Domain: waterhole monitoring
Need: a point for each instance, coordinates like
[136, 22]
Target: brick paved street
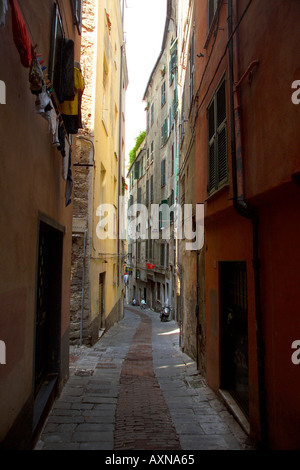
[135, 389]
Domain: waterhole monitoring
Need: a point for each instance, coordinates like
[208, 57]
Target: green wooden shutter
[136, 170]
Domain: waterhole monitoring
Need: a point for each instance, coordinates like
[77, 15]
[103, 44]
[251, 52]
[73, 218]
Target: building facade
[36, 216]
[160, 170]
[190, 262]
[247, 173]
[98, 254]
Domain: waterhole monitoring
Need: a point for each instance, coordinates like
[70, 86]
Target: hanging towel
[3, 10]
[20, 35]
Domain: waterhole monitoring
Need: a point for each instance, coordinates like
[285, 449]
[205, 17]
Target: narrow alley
[136, 390]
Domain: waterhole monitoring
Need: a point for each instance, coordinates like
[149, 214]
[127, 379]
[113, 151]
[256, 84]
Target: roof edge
[168, 16]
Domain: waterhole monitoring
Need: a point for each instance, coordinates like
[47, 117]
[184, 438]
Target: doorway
[234, 331]
[101, 301]
[48, 304]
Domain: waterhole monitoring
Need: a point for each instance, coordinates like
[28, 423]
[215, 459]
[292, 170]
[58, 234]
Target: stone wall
[80, 309]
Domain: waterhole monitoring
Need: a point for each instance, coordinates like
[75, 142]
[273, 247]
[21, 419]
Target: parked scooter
[165, 313]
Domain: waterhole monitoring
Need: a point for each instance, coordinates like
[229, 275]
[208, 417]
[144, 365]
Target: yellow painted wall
[106, 141]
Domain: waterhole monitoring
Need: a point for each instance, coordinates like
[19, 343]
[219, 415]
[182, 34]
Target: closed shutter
[217, 140]
[136, 170]
[139, 195]
[222, 155]
[151, 189]
[147, 192]
[212, 169]
[163, 172]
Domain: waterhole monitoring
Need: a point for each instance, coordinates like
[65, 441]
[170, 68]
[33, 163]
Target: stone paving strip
[128, 392]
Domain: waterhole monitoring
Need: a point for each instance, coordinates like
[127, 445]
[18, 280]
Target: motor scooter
[165, 313]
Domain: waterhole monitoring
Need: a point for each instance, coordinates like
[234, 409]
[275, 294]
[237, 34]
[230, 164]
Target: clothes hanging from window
[20, 35]
[36, 77]
[63, 80]
[69, 182]
[3, 10]
[71, 110]
[65, 164]
[61, 138]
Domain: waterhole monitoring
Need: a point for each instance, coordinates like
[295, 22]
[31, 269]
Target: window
[142, 166]
[162, 254]
[163, 93]
[172, 66]
[152, 114]
[136, 170]
[164, 132]
[182, 121]
[148, 157]
[151, 189]
[147, 119]
[147, 192]
[212, 7]
[167, 254]
[152, 150]
[139, 195]
[138, 254]
[77, 14]
[174, 104]
[57, 34]
[163, 172]
[172, 160]
[217, 140]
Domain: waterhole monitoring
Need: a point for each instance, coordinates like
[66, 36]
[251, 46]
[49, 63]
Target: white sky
[144, 23]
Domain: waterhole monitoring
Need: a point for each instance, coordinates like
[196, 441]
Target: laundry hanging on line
[21, 35]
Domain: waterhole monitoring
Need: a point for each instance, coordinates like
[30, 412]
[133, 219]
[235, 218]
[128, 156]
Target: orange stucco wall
[270, 152]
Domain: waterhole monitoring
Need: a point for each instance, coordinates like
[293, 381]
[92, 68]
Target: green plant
[139, 140]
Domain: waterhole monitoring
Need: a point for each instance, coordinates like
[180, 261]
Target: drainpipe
[82, 288]
[245, 210]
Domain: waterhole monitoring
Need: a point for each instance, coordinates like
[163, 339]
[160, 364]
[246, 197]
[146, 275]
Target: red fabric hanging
[20, 35]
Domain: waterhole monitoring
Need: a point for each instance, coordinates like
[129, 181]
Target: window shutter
[162, 254]
[151, 188]
[147, 192]
[211, 167]
[163, 172]
[222, 155]
[221, 105]
[136, 170]
[139, 195]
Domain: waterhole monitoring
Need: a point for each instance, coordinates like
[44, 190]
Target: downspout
[120, 147]
[243, 209]
[82, 286]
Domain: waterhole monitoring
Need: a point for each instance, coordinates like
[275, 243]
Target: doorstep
[235, 409]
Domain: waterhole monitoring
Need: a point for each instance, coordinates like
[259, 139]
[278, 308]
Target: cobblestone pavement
[135, 389]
